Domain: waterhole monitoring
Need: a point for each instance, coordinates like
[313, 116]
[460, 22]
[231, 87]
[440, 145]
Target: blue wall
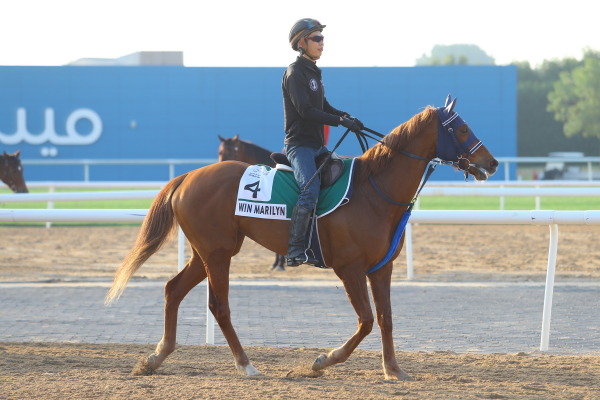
[177, 112]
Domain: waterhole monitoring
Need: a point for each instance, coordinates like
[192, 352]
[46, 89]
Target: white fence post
[180, 250]
[50, 205]
[552, 251]
[210, 319]
[409, 254]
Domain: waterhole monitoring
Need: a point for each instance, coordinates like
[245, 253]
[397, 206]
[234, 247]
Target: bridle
[449, 151]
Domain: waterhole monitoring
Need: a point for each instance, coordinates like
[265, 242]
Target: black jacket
[305, 107]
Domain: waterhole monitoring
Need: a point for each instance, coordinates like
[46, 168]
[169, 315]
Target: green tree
[456, 54]
[539, 133]
[575, 98]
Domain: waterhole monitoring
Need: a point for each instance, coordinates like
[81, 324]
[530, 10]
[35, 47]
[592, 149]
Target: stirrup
[301, 259]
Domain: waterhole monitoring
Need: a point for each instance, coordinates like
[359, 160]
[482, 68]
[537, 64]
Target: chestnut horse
[354, 238]
[11, 172]
[248, 152]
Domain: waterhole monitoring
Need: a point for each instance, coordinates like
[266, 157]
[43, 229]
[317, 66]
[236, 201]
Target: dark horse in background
[11, 172]
[248, 152]
[355, 237]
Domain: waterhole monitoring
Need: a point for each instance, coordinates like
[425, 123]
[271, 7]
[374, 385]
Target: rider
[305, 111]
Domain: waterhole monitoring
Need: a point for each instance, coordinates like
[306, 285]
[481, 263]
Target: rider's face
[314, 49]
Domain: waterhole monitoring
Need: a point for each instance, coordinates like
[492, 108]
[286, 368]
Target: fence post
[409, 254]
[210, 319]
[552, 250]
[50, 205]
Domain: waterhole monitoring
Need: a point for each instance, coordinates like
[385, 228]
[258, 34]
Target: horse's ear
[4, 155]
[450, 107]
[220, 138]
[17, 153]
[236, 137]
[448, 99]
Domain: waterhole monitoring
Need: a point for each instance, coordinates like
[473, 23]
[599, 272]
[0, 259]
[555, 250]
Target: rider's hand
[350, 124]
[361, 126]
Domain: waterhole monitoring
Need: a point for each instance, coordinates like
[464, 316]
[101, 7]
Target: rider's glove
[361, 126]
[350, 124]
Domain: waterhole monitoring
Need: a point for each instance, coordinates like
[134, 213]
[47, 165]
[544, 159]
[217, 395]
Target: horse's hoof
[399, 375]
[319, 363]
[248, 370]
[144, 367]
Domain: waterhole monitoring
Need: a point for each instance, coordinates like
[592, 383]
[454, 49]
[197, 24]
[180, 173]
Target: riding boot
[296, 247]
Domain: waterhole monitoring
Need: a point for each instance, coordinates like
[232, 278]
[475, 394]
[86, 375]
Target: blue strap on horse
[403, 220]
[361, 137]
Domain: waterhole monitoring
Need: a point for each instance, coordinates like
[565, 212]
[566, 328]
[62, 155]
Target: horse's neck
[400, 181]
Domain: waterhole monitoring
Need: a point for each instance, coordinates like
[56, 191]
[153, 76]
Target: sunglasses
[316, 38]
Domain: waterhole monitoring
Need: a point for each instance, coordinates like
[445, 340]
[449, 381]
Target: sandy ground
[441, 253]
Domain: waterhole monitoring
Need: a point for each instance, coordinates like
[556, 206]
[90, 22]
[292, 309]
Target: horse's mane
[378, 157]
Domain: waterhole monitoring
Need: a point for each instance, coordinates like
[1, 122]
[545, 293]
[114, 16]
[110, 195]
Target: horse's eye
[463, 130]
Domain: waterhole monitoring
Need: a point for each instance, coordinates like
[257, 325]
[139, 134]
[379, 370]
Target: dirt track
[465, 253]
[440, 252]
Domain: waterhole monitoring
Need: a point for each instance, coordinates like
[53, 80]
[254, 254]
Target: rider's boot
[296, 247]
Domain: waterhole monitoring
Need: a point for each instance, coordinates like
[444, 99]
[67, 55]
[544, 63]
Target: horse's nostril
[493, 163]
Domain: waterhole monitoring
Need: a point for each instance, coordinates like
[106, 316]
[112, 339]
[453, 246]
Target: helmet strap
[303, 52]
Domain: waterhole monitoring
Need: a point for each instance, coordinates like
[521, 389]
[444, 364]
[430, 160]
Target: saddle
[330, 173]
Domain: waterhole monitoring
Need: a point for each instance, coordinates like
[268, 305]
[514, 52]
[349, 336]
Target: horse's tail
[157, 228]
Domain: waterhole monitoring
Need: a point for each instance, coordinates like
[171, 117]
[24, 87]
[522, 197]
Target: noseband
[449, 150]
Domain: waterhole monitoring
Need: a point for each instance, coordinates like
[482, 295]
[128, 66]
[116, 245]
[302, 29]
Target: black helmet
[302, 28]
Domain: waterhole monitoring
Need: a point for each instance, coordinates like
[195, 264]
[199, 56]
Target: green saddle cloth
[266, 192]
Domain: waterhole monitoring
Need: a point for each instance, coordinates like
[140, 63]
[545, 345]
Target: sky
[254, 33]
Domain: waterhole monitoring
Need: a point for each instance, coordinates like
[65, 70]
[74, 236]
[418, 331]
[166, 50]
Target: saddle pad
[266, 192]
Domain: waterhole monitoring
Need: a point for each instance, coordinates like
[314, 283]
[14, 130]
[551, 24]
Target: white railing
[86, 163]
[501, 189]
[505, 163]
[550, 218]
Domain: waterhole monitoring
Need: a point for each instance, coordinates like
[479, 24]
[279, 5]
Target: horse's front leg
[175, 291]
[380, 287]
[355, 284]
[218, 302]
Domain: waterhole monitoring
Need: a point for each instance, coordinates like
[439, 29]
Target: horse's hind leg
[380, 287]
[355, 284]
[175, 291]
[278, 264]
[218, 301]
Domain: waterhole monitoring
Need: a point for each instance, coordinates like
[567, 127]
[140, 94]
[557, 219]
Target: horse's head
[229, 147]
[12, 172]
[458, 144]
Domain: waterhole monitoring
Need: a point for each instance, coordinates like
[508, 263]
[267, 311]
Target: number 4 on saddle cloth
[272, 193]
